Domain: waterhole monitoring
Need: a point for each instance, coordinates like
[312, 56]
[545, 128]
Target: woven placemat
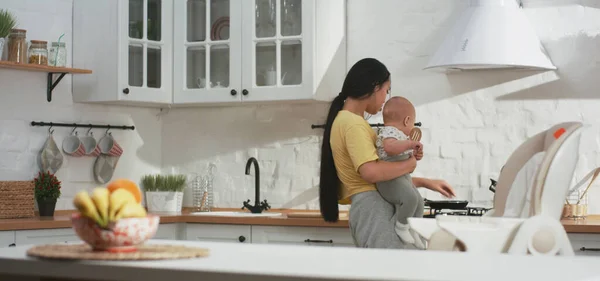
[16, 199]
[144, 252]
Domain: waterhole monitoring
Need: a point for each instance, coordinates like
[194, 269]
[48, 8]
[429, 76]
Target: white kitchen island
[235, 261]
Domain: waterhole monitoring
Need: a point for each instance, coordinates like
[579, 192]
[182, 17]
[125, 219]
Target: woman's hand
[441, 187]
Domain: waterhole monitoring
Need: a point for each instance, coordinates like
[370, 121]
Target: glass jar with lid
[58, 54]
[38, 52]
[17, 46]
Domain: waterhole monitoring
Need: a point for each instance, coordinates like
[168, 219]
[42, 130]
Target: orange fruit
[127, 185]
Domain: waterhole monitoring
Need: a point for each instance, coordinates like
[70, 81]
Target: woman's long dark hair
[360, 83]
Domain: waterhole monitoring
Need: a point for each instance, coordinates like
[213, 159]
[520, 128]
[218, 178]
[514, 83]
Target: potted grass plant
[164, 193]
[7, 22]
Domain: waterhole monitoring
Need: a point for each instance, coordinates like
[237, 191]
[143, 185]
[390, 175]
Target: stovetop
[468, 211]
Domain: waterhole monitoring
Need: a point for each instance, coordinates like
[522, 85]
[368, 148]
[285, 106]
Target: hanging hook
[107, 130]
[50, 131]
[89, 130]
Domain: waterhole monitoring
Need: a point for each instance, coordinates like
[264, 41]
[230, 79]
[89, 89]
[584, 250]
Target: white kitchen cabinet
[169, 231]
[258, 50]
[7, 238]
[312, 236]
[208, 52]
[589, 241]
[128, 46]
[45, 236]
[218, 233]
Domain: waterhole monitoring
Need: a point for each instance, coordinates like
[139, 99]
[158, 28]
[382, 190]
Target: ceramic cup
[72, 146]
[109, 146]
[90, 145]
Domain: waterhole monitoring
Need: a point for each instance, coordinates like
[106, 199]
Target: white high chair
[537, 230]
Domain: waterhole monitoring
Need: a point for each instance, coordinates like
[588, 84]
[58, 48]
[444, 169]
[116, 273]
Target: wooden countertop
[62, 219]
[590, 225]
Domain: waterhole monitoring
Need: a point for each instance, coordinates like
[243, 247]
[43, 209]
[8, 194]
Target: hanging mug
[90, 145]
[72, 145]
[109, 146]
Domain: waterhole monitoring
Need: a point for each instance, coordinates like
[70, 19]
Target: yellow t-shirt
[353, 144]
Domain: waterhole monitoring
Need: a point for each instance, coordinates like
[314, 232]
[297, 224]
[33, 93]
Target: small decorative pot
[2, 44]
[163, 201]
[46, 207]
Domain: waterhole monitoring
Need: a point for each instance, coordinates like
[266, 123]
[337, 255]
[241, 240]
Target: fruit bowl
[122, 235]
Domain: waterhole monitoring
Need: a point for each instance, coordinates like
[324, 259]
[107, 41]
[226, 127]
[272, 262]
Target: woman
[349, 157]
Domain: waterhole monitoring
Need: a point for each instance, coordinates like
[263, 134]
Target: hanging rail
[75, 125]
[418, 124]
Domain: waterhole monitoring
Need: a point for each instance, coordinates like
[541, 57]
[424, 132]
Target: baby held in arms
[393, 144]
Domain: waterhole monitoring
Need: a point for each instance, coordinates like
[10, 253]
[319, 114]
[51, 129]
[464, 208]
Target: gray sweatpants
[402, 193]
[372, 222]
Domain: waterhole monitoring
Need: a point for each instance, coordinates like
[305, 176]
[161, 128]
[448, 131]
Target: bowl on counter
[121, 236]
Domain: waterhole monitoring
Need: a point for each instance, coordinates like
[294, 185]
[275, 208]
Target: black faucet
[258, 206]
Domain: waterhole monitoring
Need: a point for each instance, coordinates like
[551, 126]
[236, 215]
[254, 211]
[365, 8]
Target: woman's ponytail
[329, 181]
[360, 83]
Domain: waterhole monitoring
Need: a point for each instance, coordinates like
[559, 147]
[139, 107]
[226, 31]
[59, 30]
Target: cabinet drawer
[45, 236]
[168, 231]
[218, 233]
[585, 244]
[311, 236]
[7, 238]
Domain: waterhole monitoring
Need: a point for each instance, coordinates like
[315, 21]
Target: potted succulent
[47, 191]
[7, 22]
[164, 193]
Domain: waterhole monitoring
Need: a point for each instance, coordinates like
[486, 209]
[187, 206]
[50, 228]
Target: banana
[118, 199]
[100, 196]
[85, 205]
[131, 210]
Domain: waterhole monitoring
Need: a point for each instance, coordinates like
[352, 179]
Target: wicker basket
[16, 199]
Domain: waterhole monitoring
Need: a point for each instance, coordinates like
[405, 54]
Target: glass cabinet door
[207, 54]
[148, 50]
[275, 48]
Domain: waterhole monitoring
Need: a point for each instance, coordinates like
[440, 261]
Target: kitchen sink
[236, 214]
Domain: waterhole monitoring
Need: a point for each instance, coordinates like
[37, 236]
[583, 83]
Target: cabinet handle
[126, 91]
[233, 92]
[318, 241]
[589, 249]
[12, 245]
[244, 92]
[242, 239]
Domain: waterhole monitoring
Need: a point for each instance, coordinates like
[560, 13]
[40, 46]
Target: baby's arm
[393, 146]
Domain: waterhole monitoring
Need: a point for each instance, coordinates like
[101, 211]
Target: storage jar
[58, 54]
[38, 52]
[17, 46]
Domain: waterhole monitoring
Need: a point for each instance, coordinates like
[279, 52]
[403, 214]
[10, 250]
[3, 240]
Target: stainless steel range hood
[491, 34]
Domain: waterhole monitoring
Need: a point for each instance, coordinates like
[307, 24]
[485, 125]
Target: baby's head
[400, 113]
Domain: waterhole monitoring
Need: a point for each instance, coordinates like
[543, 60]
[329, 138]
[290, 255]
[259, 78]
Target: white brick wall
[279, 136]
[23, 99]
[472, 122]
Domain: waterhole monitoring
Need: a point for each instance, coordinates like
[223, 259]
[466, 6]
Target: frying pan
[446, 204]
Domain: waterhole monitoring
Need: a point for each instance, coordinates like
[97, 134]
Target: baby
[393, 144]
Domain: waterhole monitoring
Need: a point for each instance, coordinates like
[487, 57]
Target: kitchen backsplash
[280, 137]
[471, 121]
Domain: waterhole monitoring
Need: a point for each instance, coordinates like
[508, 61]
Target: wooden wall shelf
[51, 70]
